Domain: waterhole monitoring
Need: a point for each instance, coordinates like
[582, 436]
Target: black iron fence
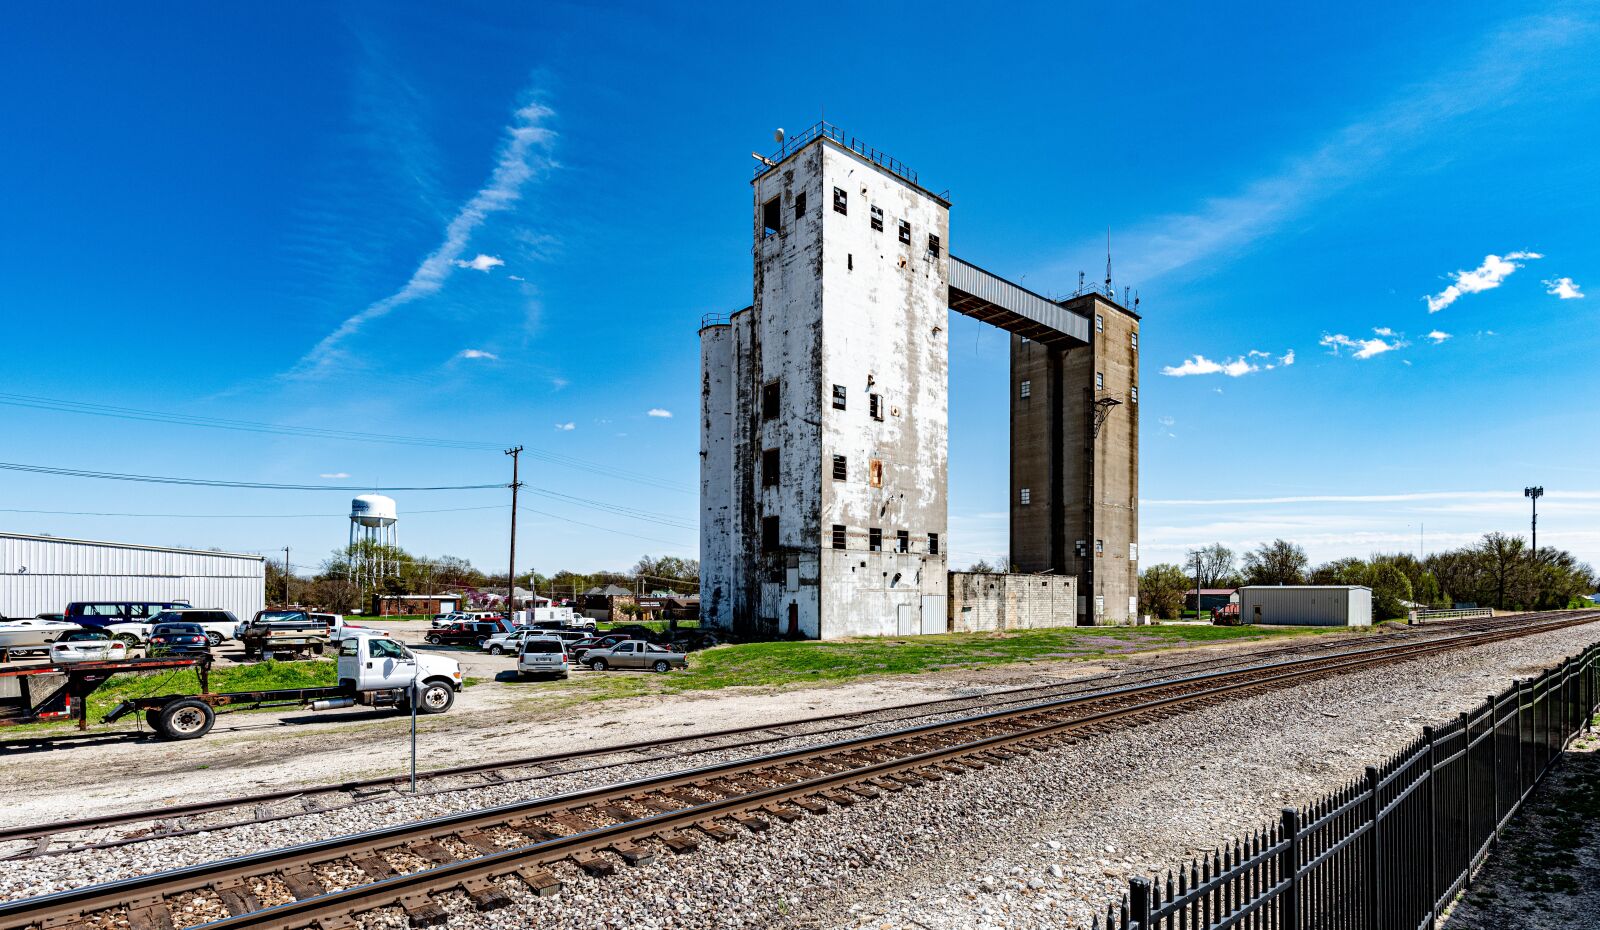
[1390, 850]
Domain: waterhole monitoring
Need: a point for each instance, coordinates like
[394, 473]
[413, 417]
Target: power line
[231, 516]
[212, 483]
[252, 426]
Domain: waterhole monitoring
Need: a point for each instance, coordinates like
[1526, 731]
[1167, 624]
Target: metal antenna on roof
[1135, 301]
[1109, 292]
[1080, 285]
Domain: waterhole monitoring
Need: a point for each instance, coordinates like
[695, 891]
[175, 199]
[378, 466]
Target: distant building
[605, 602]
[1306, 605]
[401, 605]
[43, 574]
[668, 606]
[1210, 598]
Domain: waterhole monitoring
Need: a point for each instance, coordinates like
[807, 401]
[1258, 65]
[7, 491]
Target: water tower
[372, 539]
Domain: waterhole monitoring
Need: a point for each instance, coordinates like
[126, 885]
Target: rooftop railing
[794, 143]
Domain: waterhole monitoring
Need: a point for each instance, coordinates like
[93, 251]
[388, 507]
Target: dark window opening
[905, 231]
[841, 468]
[838, 397]
[875, 539]
[769, 401]
[875, 406]
[877, 218]
[902, 541]
[840, 201]
[769, 468]
[770, 217]
[933, 245]
[769, 534]
[933, 543]
[838, 536]
[799, 205]
[849, 261]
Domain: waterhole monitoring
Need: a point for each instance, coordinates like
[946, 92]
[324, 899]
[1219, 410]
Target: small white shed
[1306, 604]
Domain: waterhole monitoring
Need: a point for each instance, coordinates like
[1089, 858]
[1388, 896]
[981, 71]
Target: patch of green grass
[261, 676]
[660, 626]
[791, 664]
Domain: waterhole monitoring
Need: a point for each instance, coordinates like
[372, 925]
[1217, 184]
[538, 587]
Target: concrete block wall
[985, 602]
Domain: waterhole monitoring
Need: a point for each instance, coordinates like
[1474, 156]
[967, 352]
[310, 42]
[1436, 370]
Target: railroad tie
[810, 805]
[887, 784]
[906, 778]
[837, 797]
[715, 830]
[376, 867]
[484, 894]
[751, 823]
[633, 855]
[237, 898]
[615, 812]
[541, 882]
[337, 922]
[862, 790]
[533, 831]
[679, 843]
[431, 851]
[595, 865]
[479, 841]
[570, 822]
[655, 804]
[785, 814]
[149, 917]
[421, 911]
[302, 883]
[929, 773]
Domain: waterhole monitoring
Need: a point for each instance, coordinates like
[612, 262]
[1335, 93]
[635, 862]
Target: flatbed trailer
[29, 693]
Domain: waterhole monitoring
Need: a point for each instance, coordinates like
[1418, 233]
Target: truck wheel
[214, 638]
[436, 698]
[598, 665]
[432, 638]
[661, 665]
[186, 719]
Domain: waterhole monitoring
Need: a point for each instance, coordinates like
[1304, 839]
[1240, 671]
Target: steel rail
[46, 829]
[65, 906]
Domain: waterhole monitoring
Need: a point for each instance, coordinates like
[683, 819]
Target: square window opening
[841, 468]
[1099, 323]
[769, 400]
[1099, 381]
[1027, 496]
[877, 218]
[839, 397]
[1133, 393]
[769, 468]
[875, 539]
[933, 245]
[1027, 390]
[875, 406]
[933, 543]
[838, 536]
[769, 534]
[771, 213]
[902, 541]
[800, 205]
[1133, 340]
[905, 231]
[841, 201]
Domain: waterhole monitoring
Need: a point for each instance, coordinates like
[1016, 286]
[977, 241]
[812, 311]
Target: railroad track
[36, 840]
[330, 883]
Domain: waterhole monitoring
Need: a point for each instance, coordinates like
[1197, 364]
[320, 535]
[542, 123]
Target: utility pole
[286, 600]
[511, 566]
[1534, 494]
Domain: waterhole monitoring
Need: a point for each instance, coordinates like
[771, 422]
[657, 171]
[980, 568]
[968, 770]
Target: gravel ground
[1035, 842]
[1545, 874]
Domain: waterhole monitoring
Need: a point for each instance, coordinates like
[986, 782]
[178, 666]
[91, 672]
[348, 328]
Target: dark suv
[94, 614]
[465, 634]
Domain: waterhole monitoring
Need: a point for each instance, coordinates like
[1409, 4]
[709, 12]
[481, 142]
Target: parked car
[444, 620]
[542, 655]
[283, 634]
[635, 653]
[502, 643]
[101, 614]
[582, 646]
[179, 639]
[465, 634]
[87, 646]
[218, 625]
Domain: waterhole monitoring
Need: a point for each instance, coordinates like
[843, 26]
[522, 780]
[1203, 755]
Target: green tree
[1161, 589]
[1213, 564]
[1428, 594]
[1391, 589]
[1340, 571]
[1276, 562]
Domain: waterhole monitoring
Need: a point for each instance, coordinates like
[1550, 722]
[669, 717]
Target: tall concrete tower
[1075, 460]
[824, 405]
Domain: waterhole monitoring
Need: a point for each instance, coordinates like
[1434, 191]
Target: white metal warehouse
[42, 574]
[1306, 605]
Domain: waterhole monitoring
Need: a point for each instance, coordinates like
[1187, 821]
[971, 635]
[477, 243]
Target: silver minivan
[542, 655]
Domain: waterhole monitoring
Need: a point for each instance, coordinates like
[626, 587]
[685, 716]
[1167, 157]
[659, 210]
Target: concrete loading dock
[1306, 605]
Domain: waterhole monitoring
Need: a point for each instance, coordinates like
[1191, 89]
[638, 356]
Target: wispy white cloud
[567, 427]
[481, 263]
[1486, 276]
[477, 353]
[1564, 288]
[335, 474]
[523, 155]
[1364, 348]
[1495, 75]
[558, 382]
[660, 412]
[1251, 361]
[1438, 336]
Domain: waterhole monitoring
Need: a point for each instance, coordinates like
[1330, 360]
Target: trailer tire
[186, 719]
[152, 719]
[436, 698]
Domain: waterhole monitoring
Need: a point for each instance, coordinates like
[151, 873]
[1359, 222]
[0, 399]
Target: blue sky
[501, 223]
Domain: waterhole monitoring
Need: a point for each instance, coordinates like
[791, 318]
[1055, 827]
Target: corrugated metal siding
[41, 575]
[997, 290]
[1306, 605]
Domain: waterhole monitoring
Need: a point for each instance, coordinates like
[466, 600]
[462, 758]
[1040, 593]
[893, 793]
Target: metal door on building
[906, 620]
[933, 615]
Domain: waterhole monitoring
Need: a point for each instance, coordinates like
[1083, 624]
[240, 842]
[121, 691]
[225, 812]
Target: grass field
[788, 664]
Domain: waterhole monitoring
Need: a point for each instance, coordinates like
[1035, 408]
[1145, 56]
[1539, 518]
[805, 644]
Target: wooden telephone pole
[511, 566]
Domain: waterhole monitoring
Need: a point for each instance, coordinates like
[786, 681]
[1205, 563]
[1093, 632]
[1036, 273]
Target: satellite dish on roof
[777, 135]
